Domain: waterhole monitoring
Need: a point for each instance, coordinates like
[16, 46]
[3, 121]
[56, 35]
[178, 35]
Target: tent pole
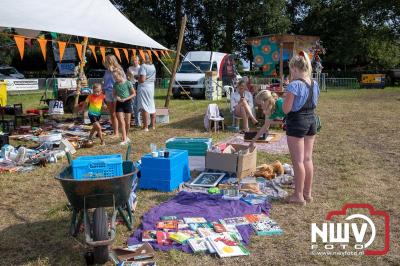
[178, 52]
[82, 78]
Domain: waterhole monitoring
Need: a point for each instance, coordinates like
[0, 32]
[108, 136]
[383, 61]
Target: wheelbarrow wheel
[100, 232]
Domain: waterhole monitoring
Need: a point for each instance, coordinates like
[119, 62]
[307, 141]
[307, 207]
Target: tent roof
[88, 18]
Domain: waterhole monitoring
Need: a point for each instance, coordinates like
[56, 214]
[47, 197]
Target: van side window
[214, 66]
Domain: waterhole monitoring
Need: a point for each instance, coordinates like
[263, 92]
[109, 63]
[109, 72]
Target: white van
[191, 72]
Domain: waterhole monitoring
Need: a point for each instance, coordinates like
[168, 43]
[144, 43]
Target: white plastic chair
[213, 115]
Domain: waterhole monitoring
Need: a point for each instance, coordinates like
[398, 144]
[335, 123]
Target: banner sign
[66, 68]
[66, 83]
[22, 84]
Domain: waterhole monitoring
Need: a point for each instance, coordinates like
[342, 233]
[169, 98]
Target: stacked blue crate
[165, 174]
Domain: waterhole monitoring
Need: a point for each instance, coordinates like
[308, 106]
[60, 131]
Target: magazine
[232, 229]
[267, 227]
[227, 245]
[219, 228]
[179, 237]
[163, 238]
[205, 232]
[254, 199]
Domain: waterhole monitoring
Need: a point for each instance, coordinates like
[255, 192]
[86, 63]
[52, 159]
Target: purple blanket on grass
[186, 204]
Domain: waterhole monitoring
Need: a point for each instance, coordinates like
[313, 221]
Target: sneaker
[122, 143]
[146, 130]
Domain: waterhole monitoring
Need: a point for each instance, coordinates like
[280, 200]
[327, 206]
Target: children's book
[232, 229]
[253, 218]
[149, 236]
[234, 221]
[179, 237]
[267, 227]
[254, 199]
[168, 225]
[195, 226]
[192, 234]
[194, 220]
[182, 225]
[168, 218]
[219, 228]
[205, 232]
[198, 245]
[163, 238]
[227, 245]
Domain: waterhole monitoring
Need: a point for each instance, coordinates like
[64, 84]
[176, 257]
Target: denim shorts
[300, 125]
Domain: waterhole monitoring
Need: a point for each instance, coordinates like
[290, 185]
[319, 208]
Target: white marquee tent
[98, 19]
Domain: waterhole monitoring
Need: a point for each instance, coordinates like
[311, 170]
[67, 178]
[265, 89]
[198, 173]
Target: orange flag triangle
[126, 54]
[167, 53]
[93, 49]
[79, 50]
[133, 52]
[142, 55]
[117, 54]
[42, 44]
[156, 54]
[20, 42]
[149, 53]
[61, 49]
[103, 52]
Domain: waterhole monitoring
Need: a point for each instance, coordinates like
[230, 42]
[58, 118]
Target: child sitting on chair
[272, 109]
[94, 103]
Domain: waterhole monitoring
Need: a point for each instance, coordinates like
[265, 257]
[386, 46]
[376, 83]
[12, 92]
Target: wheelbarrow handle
[128, 152]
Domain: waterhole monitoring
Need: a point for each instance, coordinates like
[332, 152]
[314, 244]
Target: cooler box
[164, 174]
[195, 146]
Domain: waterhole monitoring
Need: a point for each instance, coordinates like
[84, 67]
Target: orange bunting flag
[156, 54]
[42, 44]
[142, 55]
[149, 53]
[20, 42]
[117, 54]
[103, 52]
[126, 54]
[167, 53]
[93, 49]
[79, 50]
[61, 49]
[133, 53]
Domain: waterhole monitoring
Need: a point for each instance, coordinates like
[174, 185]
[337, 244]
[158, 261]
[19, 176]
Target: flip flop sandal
[308, 199]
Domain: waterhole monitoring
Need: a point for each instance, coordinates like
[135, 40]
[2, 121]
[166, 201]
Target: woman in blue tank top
[299, 104]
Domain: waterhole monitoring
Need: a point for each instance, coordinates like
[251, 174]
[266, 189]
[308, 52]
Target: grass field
[356, 161]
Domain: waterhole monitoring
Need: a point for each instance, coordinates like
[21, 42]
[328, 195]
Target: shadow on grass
[194, 122]
[40, 242]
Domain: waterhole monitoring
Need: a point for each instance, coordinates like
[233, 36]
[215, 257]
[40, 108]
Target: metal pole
[81, 72]
[178, 52]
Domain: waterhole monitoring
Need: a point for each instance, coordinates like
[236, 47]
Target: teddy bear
[270, 171]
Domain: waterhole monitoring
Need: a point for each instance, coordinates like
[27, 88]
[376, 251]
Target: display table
[165, 174]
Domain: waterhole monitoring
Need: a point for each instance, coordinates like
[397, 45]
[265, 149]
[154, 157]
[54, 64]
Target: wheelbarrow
[99, 194]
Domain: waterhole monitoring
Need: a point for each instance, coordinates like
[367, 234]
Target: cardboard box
[162, 116]
[243, 164]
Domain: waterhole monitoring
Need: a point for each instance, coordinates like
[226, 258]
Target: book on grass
[252, 218]
[163, 238]
[168, 225]
[227, 245]
[254, 199]
[194, 220]
[198, 245]
[179, 237]
[266, 227]
[234, 221]
[149, 236]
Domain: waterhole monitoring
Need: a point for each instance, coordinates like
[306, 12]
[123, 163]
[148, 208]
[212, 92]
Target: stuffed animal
[278, 168]
[270, 171]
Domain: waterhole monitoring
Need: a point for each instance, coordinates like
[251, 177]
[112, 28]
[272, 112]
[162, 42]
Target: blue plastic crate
[100, 166]
[160, 185]
[181, 173]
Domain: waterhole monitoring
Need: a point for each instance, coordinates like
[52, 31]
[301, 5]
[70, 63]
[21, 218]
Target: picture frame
[207, 180]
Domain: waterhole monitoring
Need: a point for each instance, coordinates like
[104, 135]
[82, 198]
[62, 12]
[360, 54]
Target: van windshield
[194, 67]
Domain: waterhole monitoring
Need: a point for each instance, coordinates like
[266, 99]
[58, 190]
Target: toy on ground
[269, 171]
